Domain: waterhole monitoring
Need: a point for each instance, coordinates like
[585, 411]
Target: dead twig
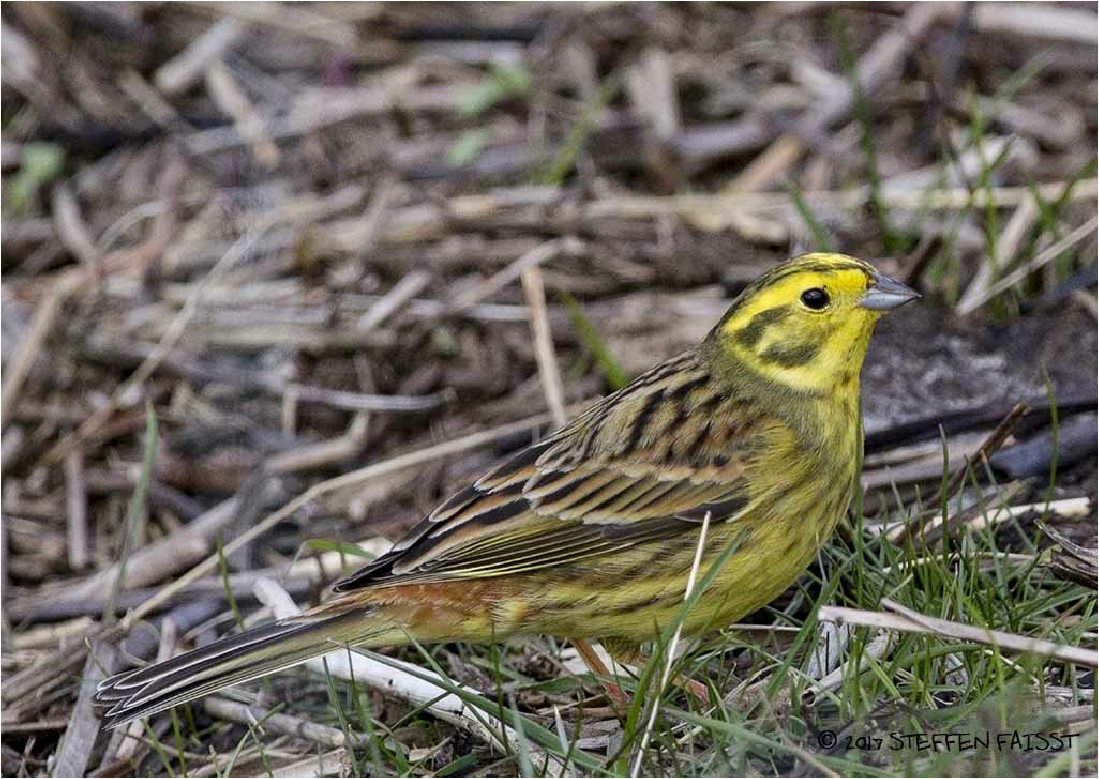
[277, 722]
[536, 256]
[673, 645]
[907, 621]
[1006, 248]
[72, 230]
[411, 285]
[358, 477]
[186, 69]
[1072, 561]
[548, 372]
[988, 447]
[80, 736]
[391, 679]
[994, 440]
[20, 364]
[76, 494]
[361, 401]
[1039, 260]
[234, 103]
[127, 393]
[1049, 22]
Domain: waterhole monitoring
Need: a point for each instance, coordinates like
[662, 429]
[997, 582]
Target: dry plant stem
[370, 223]
[346, 664]
[323, 453]
[1036, 21]
[882, 61]
[300, 579]
[548, 372]
[974, 518]
[536, 256]
[354, 478]
[76, 494]
[830, 647]
[275, 722]
[152, 103]
[126, 393]
[359, 401]
[72, 230]
[990, 445]
[20, 364]
[1040, 260]
[602, 672]
[1006, 248]
[1086, 300]
[908, 621]
[666, 676]
[778, 158]
[554, 390]
[296, 20]
[80, 735]
[186, 69]
[53, 634]
[152, 562]
[875, 649]
[986, 561]
[57, 723]
[1070, 560]
[393, 301]
[333, 763]
[885, 58]
[234, 103]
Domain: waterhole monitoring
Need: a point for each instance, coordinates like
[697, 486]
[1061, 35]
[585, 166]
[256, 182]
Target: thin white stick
[647, 735]
[184, 70]
[392, 680]
[1006, 248]
[543, 252]
[907, 621]
[407, 288]
[76, 495]
[554, 389]
[1013, 278]
[1066, 507]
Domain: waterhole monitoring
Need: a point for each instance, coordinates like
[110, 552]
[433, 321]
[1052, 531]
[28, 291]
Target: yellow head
[805, 324]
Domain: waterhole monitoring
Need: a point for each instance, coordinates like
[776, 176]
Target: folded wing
[644, 464]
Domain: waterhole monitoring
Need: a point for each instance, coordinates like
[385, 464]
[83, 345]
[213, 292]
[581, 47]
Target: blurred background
[310, 237]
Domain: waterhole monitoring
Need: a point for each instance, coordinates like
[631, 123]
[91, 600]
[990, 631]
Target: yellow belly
[632, 596]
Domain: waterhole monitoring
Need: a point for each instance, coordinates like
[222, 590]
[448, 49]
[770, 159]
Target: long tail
[249, 655]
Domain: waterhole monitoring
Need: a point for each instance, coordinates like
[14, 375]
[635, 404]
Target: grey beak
[885, 294]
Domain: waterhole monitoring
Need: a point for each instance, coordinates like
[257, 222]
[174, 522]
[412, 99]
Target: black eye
[816, 299]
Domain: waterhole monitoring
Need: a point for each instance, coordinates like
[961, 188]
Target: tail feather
[249, 655]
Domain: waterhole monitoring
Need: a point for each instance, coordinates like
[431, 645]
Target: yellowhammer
[592, 532]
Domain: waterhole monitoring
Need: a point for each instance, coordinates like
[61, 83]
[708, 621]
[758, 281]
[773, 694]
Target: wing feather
[627, 471]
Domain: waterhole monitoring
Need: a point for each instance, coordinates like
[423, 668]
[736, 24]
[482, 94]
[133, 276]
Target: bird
[592, 532]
